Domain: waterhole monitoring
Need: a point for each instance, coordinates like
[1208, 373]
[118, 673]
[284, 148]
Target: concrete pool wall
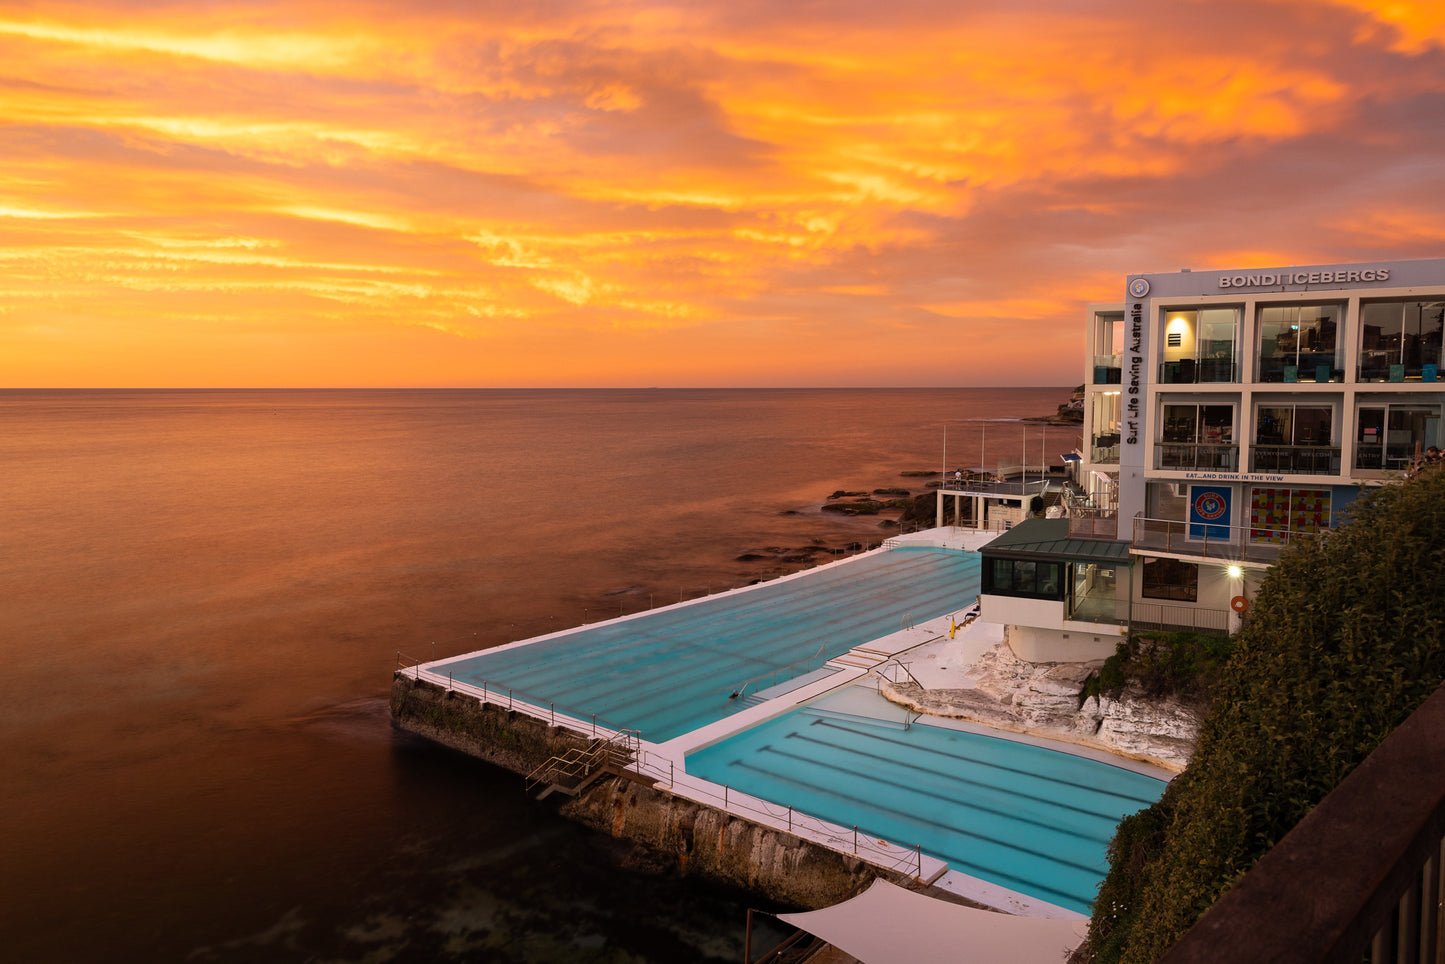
[693, 836]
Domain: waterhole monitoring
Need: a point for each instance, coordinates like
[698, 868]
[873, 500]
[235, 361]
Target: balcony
[1107, 609]
[1188, 371]
[1105, 448]
[1212, 456]
[1385, 366]
[1296, 459]
[1307, 367]
[1358, 879]
[1214, 541]
[1108, 369]
[1387, 458]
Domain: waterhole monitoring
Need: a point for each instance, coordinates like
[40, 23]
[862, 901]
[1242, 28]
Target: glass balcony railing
[1105, 448]
[1296, 459]
[1108, 369]
[1387, 458]
[1214, 456]
[1189, 371]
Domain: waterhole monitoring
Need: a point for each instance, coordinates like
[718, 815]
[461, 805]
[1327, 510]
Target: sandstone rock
[1042, 699]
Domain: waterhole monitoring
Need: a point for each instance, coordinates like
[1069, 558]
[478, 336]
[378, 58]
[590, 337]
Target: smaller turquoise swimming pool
[1034, 820]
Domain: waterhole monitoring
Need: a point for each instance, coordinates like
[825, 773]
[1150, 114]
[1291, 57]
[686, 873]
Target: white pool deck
[934, 657]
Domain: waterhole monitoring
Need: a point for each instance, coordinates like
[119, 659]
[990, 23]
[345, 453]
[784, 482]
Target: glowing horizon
[648, 194]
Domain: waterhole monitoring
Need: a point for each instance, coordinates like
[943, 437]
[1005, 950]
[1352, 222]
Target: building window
[1171, 579]
[1023, 577]
[1390, 437]
[1199, 345]
[1278, 516]
[1108, 410]
[1299, 343]
[1296, 439]
[1401, 340]
[1108, 347]
[1197, 437]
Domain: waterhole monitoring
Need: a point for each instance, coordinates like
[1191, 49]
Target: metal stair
[579, 768]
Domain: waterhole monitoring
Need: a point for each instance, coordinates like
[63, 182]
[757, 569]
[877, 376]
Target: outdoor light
[1235, 572]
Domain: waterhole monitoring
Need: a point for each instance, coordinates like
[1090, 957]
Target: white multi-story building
[1228, 414]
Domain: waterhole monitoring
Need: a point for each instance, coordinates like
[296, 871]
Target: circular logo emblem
[1209, 506]
[1139, 287]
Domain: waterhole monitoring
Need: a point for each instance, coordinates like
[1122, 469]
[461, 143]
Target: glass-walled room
[1200, 345]
[1194, 436]
[1107, 413]
[1390, 436]
[1401, 340]
[1295, 438]
[1300, 343]
[1108, 347]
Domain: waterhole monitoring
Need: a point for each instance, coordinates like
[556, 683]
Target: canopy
[886, 924]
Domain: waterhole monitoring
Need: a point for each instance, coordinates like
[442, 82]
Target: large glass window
[1168, 501]
[1278, 516]
[1108, 347]
[1023, 577]
[1401, 340]
[1295, 438]
[1108, 410]
[1094, 594]
[1170, 579]
[1200, 345]
[1299, 343]
[1390, 437]
[1197, 437]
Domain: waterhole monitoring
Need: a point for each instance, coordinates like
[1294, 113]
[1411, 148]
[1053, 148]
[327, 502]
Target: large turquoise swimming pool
[1031, 819]
[671, 671]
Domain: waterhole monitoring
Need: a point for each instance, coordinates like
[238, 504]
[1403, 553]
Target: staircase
[860, 657]
[579, 768]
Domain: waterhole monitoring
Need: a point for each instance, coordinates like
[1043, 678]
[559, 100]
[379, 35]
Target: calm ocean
[202, 595]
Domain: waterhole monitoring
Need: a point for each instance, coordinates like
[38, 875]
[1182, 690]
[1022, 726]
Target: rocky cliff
[1042, 699]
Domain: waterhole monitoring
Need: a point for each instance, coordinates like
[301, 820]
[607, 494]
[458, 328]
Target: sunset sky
[626, 193]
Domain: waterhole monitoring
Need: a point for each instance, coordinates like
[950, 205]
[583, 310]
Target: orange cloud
[654, 193]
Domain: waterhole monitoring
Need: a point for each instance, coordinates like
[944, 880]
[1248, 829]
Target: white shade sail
[887, 924]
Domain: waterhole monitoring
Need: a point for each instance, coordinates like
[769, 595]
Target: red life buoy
[1239, 604]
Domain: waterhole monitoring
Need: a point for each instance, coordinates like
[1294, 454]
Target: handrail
[741, 691]
[878, 671]
[617, 750]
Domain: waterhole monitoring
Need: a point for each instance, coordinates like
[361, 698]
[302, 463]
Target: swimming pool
[671, 671]
[1034, 820]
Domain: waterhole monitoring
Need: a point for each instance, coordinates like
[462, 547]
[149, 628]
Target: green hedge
[1184, 663]
[1344, 641]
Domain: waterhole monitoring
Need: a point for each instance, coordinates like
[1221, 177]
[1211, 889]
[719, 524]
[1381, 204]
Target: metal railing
[1216, 541]
[790, 669]
[1359, 878]
[613, 751]
[1109, 610]
[848, 839]
[995, 488]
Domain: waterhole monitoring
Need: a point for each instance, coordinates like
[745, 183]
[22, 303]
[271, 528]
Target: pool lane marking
[1011, 816]
[1132, 798]
[988, 873]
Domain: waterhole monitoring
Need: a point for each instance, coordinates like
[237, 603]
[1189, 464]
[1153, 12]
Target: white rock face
[1011, 694]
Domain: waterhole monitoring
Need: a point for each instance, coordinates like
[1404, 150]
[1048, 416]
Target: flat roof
[1049, 538]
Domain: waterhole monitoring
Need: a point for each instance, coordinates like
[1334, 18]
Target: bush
[1184, 664]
